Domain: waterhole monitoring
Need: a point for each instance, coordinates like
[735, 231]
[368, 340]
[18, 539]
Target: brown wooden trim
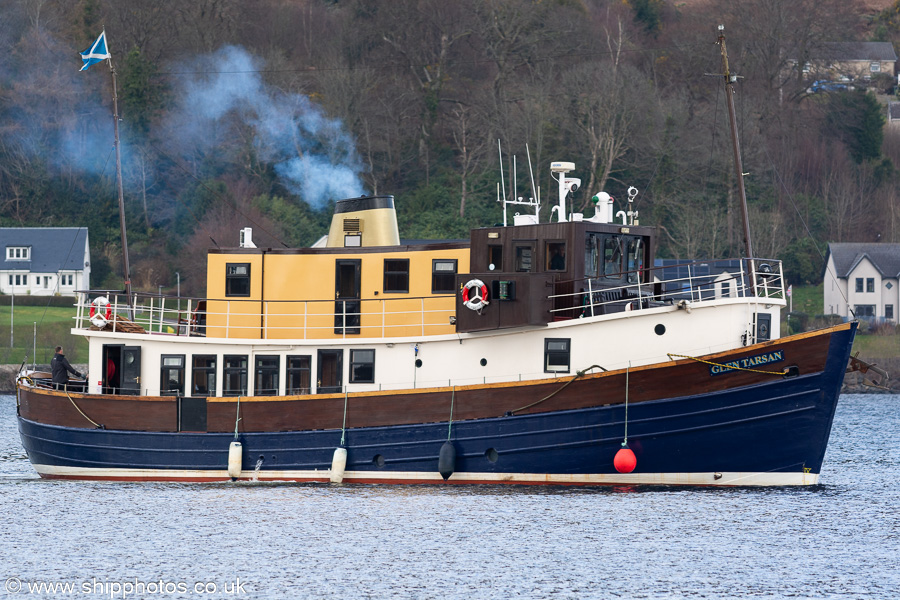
[685, 377]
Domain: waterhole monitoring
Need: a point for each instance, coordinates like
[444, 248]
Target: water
[262, 540]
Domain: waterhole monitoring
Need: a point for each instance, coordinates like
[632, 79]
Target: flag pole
[112, 70]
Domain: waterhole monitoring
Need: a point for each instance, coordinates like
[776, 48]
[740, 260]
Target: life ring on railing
[477, 298]
[101, 311]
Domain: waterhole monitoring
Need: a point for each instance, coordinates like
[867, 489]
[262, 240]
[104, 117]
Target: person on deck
[61, 368]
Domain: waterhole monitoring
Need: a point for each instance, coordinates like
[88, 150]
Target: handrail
[421, 315]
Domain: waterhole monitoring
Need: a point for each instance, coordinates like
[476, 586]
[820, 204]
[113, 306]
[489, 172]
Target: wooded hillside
[263, 113]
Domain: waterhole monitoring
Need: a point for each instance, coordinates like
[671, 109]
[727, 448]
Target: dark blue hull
[779, 427]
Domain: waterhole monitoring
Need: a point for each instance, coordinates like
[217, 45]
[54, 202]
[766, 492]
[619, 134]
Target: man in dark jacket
[61, 368]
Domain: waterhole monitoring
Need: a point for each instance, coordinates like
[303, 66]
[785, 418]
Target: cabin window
[235, 375]
[298, 374]
[203, 376]
[859, 284]
[265, 382]
[495, 258]
[556, 355]
[555, 256]
[362, 366]
[635, 259]
[443, 276]
[396, 276]
[870, 284]
[524, 258]
[592, 244]
[171, 376]
[612, 257]
[237, 279]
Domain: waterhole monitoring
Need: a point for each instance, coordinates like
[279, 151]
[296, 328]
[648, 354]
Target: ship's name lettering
[748, 362]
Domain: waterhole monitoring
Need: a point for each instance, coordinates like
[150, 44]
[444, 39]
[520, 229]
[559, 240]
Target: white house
[44, 261]
[864, 279]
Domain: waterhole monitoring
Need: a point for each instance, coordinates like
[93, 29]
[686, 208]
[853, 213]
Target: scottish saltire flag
[96, 52]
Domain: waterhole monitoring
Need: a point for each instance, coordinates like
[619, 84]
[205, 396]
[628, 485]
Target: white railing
[232, 317]
[701, 281]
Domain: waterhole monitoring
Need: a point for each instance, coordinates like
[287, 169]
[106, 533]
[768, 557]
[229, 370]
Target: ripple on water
[837, 539]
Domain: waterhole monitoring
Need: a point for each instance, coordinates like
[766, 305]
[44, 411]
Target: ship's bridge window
[635, 259]
[612, 257]
[171, 376]
[265, 382]
[443, 276]
[362, 366]
[524, 258]
[556, 256]
[557, 355]
[495, 258]
[237, 279]
[235, 375]
[396, 276]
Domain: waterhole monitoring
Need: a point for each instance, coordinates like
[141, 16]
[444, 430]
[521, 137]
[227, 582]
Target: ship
[535, 352]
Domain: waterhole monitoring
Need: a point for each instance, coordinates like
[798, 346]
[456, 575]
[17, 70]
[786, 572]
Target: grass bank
[53, 325]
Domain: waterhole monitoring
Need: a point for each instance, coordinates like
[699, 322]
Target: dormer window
[18, 253]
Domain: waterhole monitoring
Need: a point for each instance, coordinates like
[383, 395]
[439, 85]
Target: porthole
[418, 362]
[483, 362]
[660, 329]
[491, 455]
[378, 461]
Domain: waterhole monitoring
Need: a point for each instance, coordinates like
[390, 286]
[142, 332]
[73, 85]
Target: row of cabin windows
[23, 280]
[396, 277]
[267, 373]
[607, 256]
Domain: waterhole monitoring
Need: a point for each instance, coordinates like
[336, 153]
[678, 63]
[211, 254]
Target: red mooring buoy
[625, 460]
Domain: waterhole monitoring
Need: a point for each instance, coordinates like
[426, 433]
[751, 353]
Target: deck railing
[254, 319]
[697, 282]
[414, 317]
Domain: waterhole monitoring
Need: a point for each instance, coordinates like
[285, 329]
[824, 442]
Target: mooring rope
[237, 418]
[94, 423]
[565, 385]
[450, 423]
[344, 424]
[729, 367]
[627, 369]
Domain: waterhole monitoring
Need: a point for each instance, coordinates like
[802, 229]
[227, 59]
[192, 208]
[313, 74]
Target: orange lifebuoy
[101, 311]
[478, 297]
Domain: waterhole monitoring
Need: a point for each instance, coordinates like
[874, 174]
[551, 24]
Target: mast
[112, 70]
[738, 166]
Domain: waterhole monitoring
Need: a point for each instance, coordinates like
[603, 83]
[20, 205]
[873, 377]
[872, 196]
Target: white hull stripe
[723, 478]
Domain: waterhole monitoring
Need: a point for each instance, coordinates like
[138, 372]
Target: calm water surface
[123, 540]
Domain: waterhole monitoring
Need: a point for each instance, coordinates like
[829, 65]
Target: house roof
[885, 257]
[52, 248]
[845, 51]
[894, 111]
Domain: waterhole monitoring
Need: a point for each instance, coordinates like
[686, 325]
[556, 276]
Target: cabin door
[329, 371]
[122, 371]
[346, 294]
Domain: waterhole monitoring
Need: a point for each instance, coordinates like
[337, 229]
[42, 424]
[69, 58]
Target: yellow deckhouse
[362, 283]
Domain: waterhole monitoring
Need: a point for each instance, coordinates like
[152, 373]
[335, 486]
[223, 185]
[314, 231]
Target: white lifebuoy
[478, 297]
[101, 311]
